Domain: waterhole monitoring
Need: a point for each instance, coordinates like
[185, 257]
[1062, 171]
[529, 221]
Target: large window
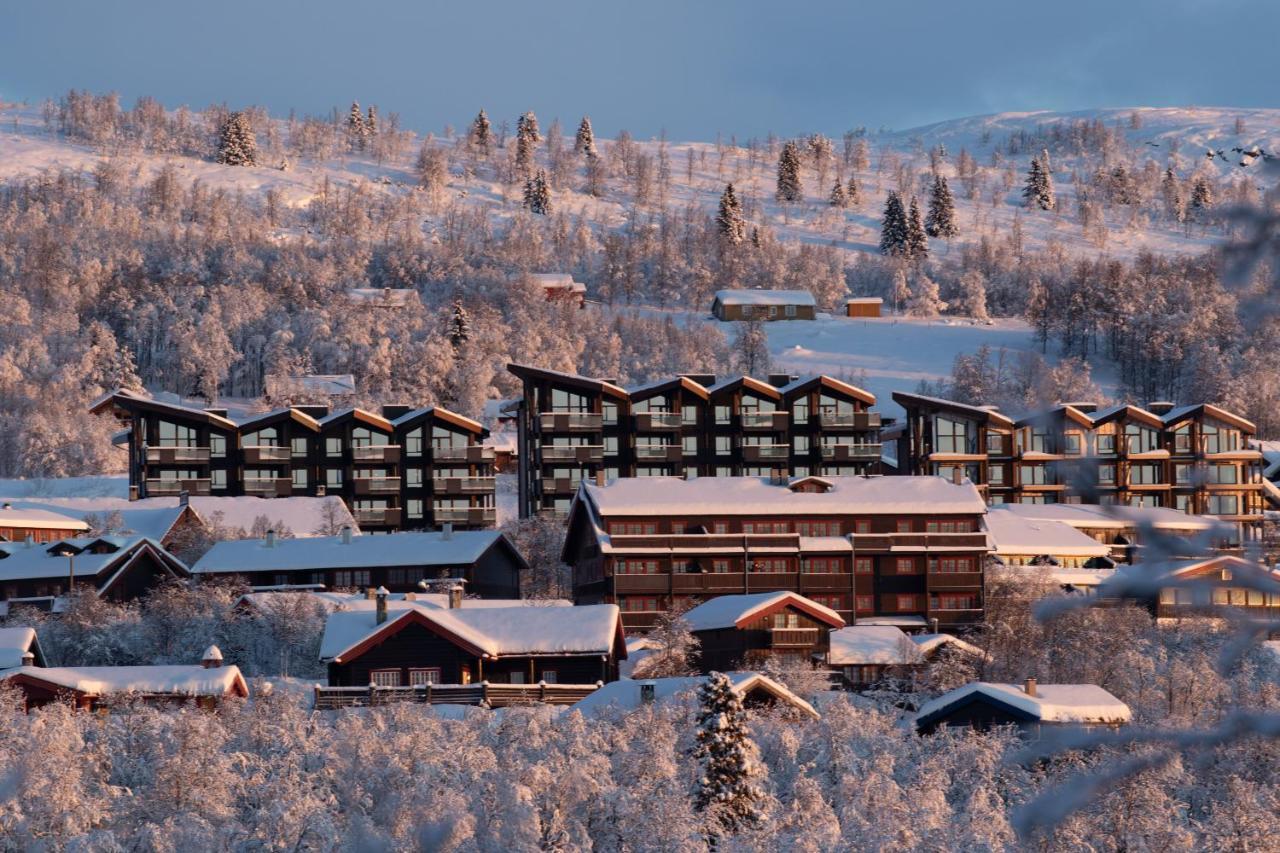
[1223, 505]
[176, 435]
[1219, 440]
[1140, 439]
[1223, 474]
[266, 437]
[950, 436]
[1144, 475]
[413, 442]
[298, 448]
[1035, 475]
[364, 437]
[568, 401]
[217, 445]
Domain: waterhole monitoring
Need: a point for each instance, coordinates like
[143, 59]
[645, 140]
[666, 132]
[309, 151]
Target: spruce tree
[789, 189]
[838, 198]
[1171, 189]
[537, 194]
[527, 137]
[853, 195]
[1121, 187]
[1039, 189]
[459, 325]
[1201, 195]
[917, 241]
[729, 221]
[371, 121]
[480, 135]
[893, 231]
[236, 143]
[356, 129]
[585, 142]
[941, 221]
[727, 787]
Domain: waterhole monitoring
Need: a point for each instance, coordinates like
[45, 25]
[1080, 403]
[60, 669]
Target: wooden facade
[572, 428]
[869, 306]
[117, 568]
[411, 469]
[787, 630]
[736, 305]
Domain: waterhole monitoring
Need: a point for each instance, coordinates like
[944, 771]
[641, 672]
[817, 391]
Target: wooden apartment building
[910, 549]
[572, 428]
[401, 468]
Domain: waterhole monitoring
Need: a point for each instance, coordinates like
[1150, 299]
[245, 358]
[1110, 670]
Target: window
[516, 678]
[1072, 444]
[299, 478]
[298, 448]
[723, 414]
[1182, 503]
[1144, 475]
[1140, 439]
[1223, 505]
[800, 444]
[425, 675]
[413, 442]
[218, 478]
[1182, 439]
[951, 565]
[217, 445]
[689, 445]
[413, 478]
[865, 603]
[818, 528]
[333, 446]
[175, 435]
[610, 413]
[949, 526]
[351, 578]
[1182, 474]
[384, 677]
[905, 602]
[995, 444]
[800, 410]
[903, 525]
[864, 565]
[633, 528]
[1218, 440]
[766, 527]
[776, 564]
[1106, 443]
[1034, 475]
[954, 601]
[550, 676]
[414, 507]
[995, 475]
[333, 478]
[689, 415]
[1224, 474]
[952, 436]
[1107, 474]
[568, 401]
[724, 445]
[721, 566]
[822, 565]
[904, 565]
[791, 310]
[638, 604]
[638, 567]
[862, 525]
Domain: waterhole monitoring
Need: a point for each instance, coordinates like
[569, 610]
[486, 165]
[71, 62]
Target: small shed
[864, 306]
[731, 305]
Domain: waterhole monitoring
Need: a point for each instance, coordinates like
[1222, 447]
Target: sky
[693, 68]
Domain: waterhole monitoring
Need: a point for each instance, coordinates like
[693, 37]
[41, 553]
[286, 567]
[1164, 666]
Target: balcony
[765, 452]
[176, 455]
[653, 421]
[705, 582]
[268, 487]
[825, 582]
[570, 421]
[849, 420]
[793, 638]
[947, 618]
[376, 485]
[623, 584]
[572, 453]
[659, 453]
[259, 454]
[560, 485]
[850, 452]
[389, 453]
[173, 487]
[955, 580]
[380, 517]
[462, 485]
[770, 581]
[473, 453]
[775, 421]
[473, 516]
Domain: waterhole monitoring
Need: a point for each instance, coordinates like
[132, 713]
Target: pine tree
[357, 131]
[537, 194]
[852, 193]
[838, 198]
[459, 325]
[1039, 189]
[1201, 195]
[480, 135]
[371, 121]
[941, 221]
[727, 787]
[917, 240]
[527, 138]
[789, 189]
[1171, 189]
[1038, 312]
[585, 142]
[893, 232]
[729, 221]
[1121, 187]
[236, 143]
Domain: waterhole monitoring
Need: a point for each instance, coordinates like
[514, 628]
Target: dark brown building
[119, 568]
[744, 631]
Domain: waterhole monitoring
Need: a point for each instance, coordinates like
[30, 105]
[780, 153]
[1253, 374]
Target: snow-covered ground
[106, 486]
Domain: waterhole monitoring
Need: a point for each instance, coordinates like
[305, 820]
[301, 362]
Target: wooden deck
[486, 694]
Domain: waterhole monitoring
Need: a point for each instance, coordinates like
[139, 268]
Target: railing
[388, 517]
[376, 453]
[271, 487]
[758, 452]
[376, 485]
[473, 515]
[469, 453]
[493, 695]
[955, 580]
[659, 452]
[172, 455]
[173, 487]
[707, 582]
[658, 420]
[792, 637]
[560, 485]
[573, 452]
[642, 583]
[863, 542]
[850, 451]
[825, 582]
[256, 454]
[570, 421]
[956, 617]
[764, 420]
[722, 541]
[462, 485]
[857, 420]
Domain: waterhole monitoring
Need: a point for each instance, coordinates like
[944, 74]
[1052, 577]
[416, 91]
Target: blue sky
[693, 67]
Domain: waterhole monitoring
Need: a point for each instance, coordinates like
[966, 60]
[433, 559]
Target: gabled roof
[1097, 516]
[982, 415]
[1014, 534]
[527, 371]
[17, 641]
[175, 680]
[737, 611]
[443, 414]
[643, 392]
[1128, 411]
[888, 645]
[1065, 410]
[27, 563]
[734, 382]
[429, 548]
[1208, 409]
[822, 380]
[256, 422]
[1053, 703]
[365, 417]
[490, 632]
[128, 402]
[24, 514]
[625, 695]
[765, 297]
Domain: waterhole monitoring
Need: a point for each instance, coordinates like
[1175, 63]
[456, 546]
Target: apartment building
[907, 549]
[402, 468]
[1194, 459]
[573, 427]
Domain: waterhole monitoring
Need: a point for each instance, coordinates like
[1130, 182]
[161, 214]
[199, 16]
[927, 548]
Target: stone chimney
[381, 604]
[28, 659]
[212, 658]
[1030, 687]
[648, 692]
[446, 531]
[270, 539]
[346, 534]
[455, 596]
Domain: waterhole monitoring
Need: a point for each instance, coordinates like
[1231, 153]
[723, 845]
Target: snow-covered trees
[789, 189]
[673, 650]
[729, 220]
[917, 240]
[527, 139]
[941, 221]
[926, 301]
[584, 142]
[1201, 197]
[480, 135]
[894, 230]
[459, 331]
[973, 295]
[1038, 191]
[838, 199]
[853, 196]
[1175, 205]
[901, 291]
[357, 128]
[537, 194]
[728, 787]
[751, 348]
[236, 143]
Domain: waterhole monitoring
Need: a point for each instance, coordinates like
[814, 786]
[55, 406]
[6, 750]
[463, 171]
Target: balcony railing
[376, 485]
[764, 420]
[850, 451]
[955, 580]
[782, 638]
[560, 485]
[174, 487]
[490, 695]
[471, 453]
[172, 455]
[471, 515]
[759, 452]
[855, 420]
[658, 421]
[376, 453]
[570, 421]
[266, 453]
[573, 452]
[462, 485]
[268, 487]
[659, 452]
[379, 517]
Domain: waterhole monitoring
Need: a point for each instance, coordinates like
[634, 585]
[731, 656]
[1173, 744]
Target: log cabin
[731, 305]
[21, 521]
[744, 631]
[866, 655]
[1030, 707]
[755, 690]
[117, 568]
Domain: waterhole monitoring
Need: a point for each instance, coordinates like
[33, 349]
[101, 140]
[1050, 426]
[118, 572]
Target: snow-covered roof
[28, 515]
[765, 297]
[1013, 534]
[887, 645]
[489, 631]
[558, 281]
[1115, 517]
[897, 621]
[625, 695]
[735, 611]
[396, 296]
[1053, 703]
[673, 496]
[431, 548]
[865, 300]
[35, 561]
[177, 680]
[15, 642]
[331, 601]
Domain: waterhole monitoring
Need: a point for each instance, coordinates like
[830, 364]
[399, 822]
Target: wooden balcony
[707, 582]
[854, 420]
[850, 452]
[636, 584]
[638, 621]
[765, 452]
[570, 421]
[659, 453]
[463, 485]
[560, 485]
[472, 516]
[268, 487]
[764, 421]
[658, 421]
[864, 542]
[177, 455]
[825, 582]
[174, 487]
[579, 453]
[265, 454]
[385, 517]
[770, 581]
[954, 580]
[376, 485]
[389, 453]
[793, 638]
[484, 693]
[473, 453]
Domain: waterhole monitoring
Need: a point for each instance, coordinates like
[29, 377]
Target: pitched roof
[736, 611]
[888, 645]
[906, 400]
[804, 383]
[641, 392]
[1053, 703]
[176, 680]
[281, 414]
[366, 417]
[625, 695]
[129, 401]
[1174, 415]
[765, 297]
[1114, 517]
[24, 514]
[443, 414]
[528, 371]
[430, 548]
[15, 642]
[1015, 534]
[38, 561]
[756, 385]
[1126, 410]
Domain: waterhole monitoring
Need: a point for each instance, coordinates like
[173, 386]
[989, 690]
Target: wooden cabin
[118, 568]
[731, 305]
[864, 306]
[744, 631]
[1030, 707]
[22, 522]
[755, 690]
[866, 655]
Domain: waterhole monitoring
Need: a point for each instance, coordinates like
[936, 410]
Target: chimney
[957, 475]
[184, 498]
[28, 659]
[133, 493]
[270, 539]
[446, 531]
[212, 658]
[369, 593]
[381, 604]
[600, 478]
[455, 596]
[1030, 687]
[648, 692]
[1160, 407]
[933, 624]
[346, 534]
[28, 542]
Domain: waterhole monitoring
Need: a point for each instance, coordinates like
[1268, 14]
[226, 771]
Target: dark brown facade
[786, 631]
[119, 570]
